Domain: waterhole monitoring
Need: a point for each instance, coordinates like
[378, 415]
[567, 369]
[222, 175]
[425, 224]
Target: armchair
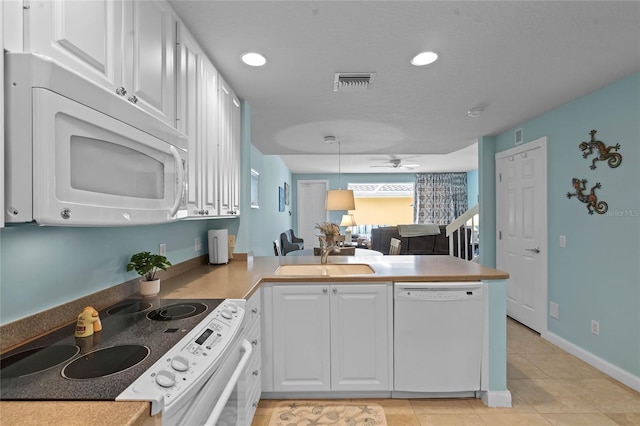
[289, 242]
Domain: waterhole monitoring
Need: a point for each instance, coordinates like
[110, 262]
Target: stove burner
[105, 362]
[177, 311]
[36, 360]
[129, 307]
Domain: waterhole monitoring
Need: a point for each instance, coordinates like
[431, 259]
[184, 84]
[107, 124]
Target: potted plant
[146, 265]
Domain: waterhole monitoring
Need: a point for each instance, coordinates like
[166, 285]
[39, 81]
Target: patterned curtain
[439, 197]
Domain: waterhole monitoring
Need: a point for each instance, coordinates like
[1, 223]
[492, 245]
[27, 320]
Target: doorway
[521, 227]
[311, 209]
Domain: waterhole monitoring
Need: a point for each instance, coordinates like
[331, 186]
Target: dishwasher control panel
[439, 291]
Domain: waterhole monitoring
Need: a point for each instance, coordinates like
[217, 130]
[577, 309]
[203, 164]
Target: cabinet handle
[256, 372]
[335, 290]
[325, 291]
[255, 404]
[121, 91]
[133, 98]
[254, 342]
[254, 310]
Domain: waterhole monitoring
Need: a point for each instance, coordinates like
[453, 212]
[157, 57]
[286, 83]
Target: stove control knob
[165, 378]
[225, 314]
[233, 307]
[180, 363]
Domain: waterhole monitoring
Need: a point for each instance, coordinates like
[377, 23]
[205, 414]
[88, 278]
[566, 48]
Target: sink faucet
[326, 248]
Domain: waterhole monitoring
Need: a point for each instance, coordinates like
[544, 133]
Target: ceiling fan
[396, 163]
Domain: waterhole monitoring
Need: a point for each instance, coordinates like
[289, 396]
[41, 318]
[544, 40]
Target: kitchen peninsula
[242, 279]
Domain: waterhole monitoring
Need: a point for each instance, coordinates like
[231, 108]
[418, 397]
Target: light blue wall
[267, 222]
[345, 179]
[43, 267]
[597, 276]
[473, 195]
[341, 181]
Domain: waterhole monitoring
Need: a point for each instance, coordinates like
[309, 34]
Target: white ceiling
[516, 59]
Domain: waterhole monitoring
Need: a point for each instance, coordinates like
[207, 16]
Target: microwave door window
[102, 167]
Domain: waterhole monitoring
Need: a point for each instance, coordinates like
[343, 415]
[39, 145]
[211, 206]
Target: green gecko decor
[603, 152]
[591, 200]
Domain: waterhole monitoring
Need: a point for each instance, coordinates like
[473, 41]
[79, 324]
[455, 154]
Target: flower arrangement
[329, 229]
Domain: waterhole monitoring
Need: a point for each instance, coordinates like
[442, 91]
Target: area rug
[297, 413]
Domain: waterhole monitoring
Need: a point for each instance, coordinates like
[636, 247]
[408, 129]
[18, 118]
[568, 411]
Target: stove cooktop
[135, 334]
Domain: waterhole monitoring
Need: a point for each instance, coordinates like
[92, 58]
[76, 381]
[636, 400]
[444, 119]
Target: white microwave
[79, 155]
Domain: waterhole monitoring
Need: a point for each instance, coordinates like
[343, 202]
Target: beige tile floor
[548, 387]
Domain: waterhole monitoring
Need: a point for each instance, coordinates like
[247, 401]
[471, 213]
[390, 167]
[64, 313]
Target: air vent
[353, 81]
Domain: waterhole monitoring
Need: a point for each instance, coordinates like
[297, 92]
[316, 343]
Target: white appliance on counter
[438, 334]
[218, 246]
[79, 155]
[195, 382]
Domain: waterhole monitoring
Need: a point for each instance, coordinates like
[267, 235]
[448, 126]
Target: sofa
[425, 244]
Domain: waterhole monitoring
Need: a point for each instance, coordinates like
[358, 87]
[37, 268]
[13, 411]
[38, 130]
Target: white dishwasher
[438, 336]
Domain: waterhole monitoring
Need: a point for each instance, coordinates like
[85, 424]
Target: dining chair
[276, 248]
[394, 247]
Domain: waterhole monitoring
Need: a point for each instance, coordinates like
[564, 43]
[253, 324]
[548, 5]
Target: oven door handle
[226, 393]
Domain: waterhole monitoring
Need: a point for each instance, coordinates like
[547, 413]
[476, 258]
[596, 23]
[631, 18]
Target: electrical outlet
[595, 327]
[232, 240]
[162, 250]
[563, 241]
[554, 310]
[198, 244]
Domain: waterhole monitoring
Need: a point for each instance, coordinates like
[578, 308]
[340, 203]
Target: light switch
[563, 241]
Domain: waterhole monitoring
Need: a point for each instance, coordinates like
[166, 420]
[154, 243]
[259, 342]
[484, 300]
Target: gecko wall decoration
[590, 199]
[603, 152]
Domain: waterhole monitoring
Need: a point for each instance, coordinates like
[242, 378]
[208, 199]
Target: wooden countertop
[239, 280]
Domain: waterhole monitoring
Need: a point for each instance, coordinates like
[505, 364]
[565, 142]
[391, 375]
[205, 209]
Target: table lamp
[348, 221]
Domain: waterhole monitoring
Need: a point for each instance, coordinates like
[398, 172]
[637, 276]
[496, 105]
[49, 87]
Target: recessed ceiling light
[475, 112]
[424, 58]
[254, 59]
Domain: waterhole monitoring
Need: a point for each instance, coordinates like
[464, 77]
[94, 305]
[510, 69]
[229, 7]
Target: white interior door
[311, 209]
[521, 224]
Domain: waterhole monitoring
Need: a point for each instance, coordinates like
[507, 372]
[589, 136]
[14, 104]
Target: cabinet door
[187, 117]
[360, 343]
[82, 35]
[149, 41]
[301, 347]
[210, 133]
[229, 150]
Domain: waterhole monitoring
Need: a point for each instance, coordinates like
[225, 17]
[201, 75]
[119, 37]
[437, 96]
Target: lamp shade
[340, 199]
[347, 220]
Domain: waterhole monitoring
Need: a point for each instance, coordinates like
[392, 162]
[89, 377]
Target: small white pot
[149, 288]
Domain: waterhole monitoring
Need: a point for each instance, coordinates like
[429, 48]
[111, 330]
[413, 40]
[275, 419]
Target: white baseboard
[496, 399]
[606, 367]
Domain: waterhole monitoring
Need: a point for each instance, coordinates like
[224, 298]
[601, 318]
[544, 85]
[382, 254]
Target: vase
[149, 288]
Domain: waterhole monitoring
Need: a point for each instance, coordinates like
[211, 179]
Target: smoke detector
[353, 81]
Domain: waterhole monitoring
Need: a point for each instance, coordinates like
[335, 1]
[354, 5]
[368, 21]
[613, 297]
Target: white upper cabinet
[82, 35]
[229, 163]
[124, 46]
[149, 57]
[197, 117]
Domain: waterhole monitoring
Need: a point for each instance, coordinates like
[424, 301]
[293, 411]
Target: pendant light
[339, 199]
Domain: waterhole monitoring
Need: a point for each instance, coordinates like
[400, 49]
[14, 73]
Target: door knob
[535, 250]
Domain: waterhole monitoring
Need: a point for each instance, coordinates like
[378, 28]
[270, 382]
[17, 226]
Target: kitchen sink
[330, 269]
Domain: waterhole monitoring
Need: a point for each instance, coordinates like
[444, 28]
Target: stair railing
[466, 240]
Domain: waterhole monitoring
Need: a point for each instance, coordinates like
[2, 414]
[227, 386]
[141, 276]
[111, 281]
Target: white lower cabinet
[330, 337]
[250, 383]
